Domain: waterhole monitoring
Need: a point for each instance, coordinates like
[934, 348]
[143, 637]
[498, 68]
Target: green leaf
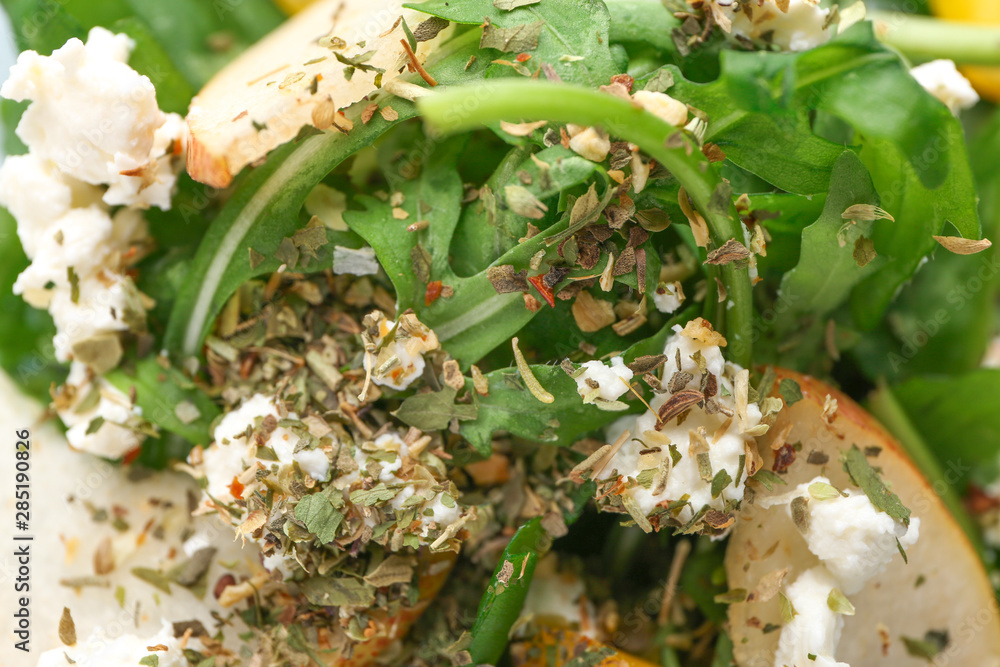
[26, 351]
[575, 28]
[488, 229]
[776, 142]
[856, 465]
[433, 411]
[957, 416]
[320, 516]
[510, 407]
[826, 271]
[158, 391]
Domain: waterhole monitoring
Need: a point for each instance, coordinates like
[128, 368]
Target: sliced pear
[281, 84]
[944, 586]
[568, 648]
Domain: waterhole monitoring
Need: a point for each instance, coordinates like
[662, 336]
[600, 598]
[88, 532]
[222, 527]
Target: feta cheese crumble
[668, 297]
[854, 542]
[669, 468]
[394, 350]
[812, 635]
[97, 119]
[97, 415]
[100, 650]
[799, 26]
[671, 111]
[852, 538]
[96, 139]
[596, 380]
[943, 80]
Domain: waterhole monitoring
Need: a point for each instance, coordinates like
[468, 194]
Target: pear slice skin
[270, 84]
[944, 586]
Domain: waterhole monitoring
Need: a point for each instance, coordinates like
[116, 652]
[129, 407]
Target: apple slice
[568, 647]
[293, 78]
[943, 588]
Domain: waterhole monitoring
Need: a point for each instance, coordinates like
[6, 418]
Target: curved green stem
[465, 107]
[884, 406]
[925, 38]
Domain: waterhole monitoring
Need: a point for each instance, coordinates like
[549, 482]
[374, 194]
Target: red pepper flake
[433, 292]
[523, 57]
[623, 79]
[783, 458]
[224, 582]
[236, 488]
[543, 289]
[131, 455]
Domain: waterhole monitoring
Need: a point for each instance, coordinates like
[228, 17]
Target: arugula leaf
[573, 41]
[510, 407]
[826, 270]
[955, 416]
[158, 391]
[775, 142]
[26, 352]
[488, 228]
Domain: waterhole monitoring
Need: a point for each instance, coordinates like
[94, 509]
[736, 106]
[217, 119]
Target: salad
[515, 332]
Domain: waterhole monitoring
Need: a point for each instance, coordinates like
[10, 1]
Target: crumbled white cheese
[591, 143]
[668, 297]
[852, 538]
[671, 111]
[724, 430]
[943, 80]
[396, 363]
[598, 380]
[95, 118]
[37, 194]
[811, 637]
[232, 455]
[111, 439]
[92, 121]
[802, 26]
[106, 303]
[101, 650]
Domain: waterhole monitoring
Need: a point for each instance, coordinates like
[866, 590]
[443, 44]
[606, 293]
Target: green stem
[465, 107]
[884, 406]
[924, 38]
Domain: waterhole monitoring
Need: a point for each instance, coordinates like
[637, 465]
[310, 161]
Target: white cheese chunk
[799, 28]
[610, 382]
[396, 363]
[95, 118]
[668, 297]
[853, 539]
[811, 637]
[111, 439]
[723, 430]
[943, 80]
